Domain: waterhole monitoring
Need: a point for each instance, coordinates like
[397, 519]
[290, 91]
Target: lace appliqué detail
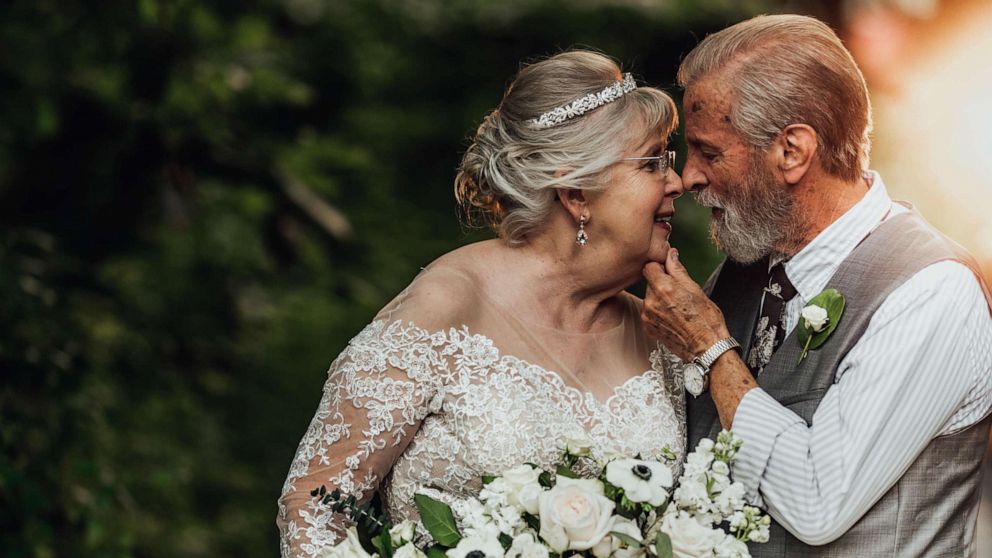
[464, 410]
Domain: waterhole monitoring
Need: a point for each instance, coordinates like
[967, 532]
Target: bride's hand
[677, 312]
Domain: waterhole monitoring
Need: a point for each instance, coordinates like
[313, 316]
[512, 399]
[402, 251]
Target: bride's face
[631, 215]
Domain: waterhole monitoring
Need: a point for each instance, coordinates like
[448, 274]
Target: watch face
[693, 377]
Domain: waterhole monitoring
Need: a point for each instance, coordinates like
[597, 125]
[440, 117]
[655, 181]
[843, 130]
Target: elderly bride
[500, 351]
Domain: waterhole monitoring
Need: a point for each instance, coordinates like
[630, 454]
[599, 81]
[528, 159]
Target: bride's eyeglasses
[665, 161]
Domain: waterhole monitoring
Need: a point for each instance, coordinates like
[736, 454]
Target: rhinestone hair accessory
[585, 104]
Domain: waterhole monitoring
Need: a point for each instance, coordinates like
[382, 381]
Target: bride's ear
[574, 202]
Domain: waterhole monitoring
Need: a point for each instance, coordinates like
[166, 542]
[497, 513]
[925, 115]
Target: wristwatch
[696, 373]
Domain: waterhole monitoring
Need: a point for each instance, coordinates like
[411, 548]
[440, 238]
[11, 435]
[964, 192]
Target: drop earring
[582, 238]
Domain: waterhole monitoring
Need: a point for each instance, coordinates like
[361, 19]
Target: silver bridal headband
[585, 104]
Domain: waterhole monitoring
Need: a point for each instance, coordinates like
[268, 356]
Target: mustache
[706, 198]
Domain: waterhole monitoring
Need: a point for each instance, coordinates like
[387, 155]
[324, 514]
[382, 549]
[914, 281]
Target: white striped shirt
[922, 369]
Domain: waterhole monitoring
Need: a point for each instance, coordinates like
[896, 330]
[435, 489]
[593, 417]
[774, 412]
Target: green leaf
[486, 479]
[436, 551]
[833, 302]
[438, 520]
[564, 471]
[663, 545]
[627, 539]
[532, 521]
[545, 479]
[505, 540]
[384, 544]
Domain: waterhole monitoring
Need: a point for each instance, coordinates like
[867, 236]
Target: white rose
[611, 544]
[348, 548]
[488, 546]
[402, 533]
[641, 481]
[523, 487]
[815, 317]
[574, 514]
[529, 497]
[689, 538]
[408, 551]
[521, 475]
[730, 547]
[579, 444]
[525, 545]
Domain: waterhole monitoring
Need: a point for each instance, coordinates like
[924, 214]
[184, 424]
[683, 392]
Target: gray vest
[932, 510]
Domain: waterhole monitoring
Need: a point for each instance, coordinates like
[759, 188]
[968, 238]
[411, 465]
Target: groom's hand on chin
[677, 312]
[680, 315]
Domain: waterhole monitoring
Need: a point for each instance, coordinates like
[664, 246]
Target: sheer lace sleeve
[376, 394]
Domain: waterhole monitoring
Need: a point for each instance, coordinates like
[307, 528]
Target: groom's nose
[693, 179]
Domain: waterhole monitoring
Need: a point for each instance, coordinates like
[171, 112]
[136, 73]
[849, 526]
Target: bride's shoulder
[446, 293]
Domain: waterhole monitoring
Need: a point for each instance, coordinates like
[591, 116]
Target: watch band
[707, 359]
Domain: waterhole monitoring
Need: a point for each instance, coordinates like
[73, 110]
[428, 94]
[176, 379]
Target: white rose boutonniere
[815, 318]
[818, 320]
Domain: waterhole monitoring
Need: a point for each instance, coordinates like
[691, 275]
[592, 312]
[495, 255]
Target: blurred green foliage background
[202, 201]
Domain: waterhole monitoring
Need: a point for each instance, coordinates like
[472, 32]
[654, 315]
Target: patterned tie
[770, 330]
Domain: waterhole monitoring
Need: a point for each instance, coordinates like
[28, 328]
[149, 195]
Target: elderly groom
[872, 444]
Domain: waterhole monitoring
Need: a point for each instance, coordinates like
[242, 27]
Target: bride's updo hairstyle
[507, 176]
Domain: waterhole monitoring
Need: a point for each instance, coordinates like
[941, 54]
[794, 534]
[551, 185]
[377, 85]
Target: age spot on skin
[697, 106]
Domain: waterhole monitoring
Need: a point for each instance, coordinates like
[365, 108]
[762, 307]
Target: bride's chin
[659, 252]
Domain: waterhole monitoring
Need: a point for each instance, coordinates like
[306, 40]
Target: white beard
[752, 224]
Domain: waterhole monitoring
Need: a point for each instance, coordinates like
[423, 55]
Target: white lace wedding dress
[446, 385]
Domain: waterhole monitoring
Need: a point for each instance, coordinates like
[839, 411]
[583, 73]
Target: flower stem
[805, 349]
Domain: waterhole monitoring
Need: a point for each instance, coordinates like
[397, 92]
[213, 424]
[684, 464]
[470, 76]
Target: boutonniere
[819, 319]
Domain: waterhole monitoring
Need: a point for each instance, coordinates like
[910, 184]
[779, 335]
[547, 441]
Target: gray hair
[790, 69]
[507, 176]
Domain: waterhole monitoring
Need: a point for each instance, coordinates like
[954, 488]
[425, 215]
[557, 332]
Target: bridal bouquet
[631, 509]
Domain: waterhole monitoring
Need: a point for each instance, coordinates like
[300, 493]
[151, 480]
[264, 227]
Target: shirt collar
[813, 266]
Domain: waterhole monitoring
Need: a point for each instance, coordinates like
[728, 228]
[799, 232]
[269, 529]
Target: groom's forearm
[730, 380]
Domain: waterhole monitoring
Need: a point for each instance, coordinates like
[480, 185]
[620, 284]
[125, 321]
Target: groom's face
[750, 208]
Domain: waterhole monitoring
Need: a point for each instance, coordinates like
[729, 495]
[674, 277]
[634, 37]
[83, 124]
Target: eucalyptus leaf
[438, 520]
[663, 545]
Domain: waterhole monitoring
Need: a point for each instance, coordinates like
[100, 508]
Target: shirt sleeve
[921, 370]
[376, 395]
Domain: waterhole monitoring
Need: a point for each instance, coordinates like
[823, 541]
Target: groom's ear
[795, 149]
